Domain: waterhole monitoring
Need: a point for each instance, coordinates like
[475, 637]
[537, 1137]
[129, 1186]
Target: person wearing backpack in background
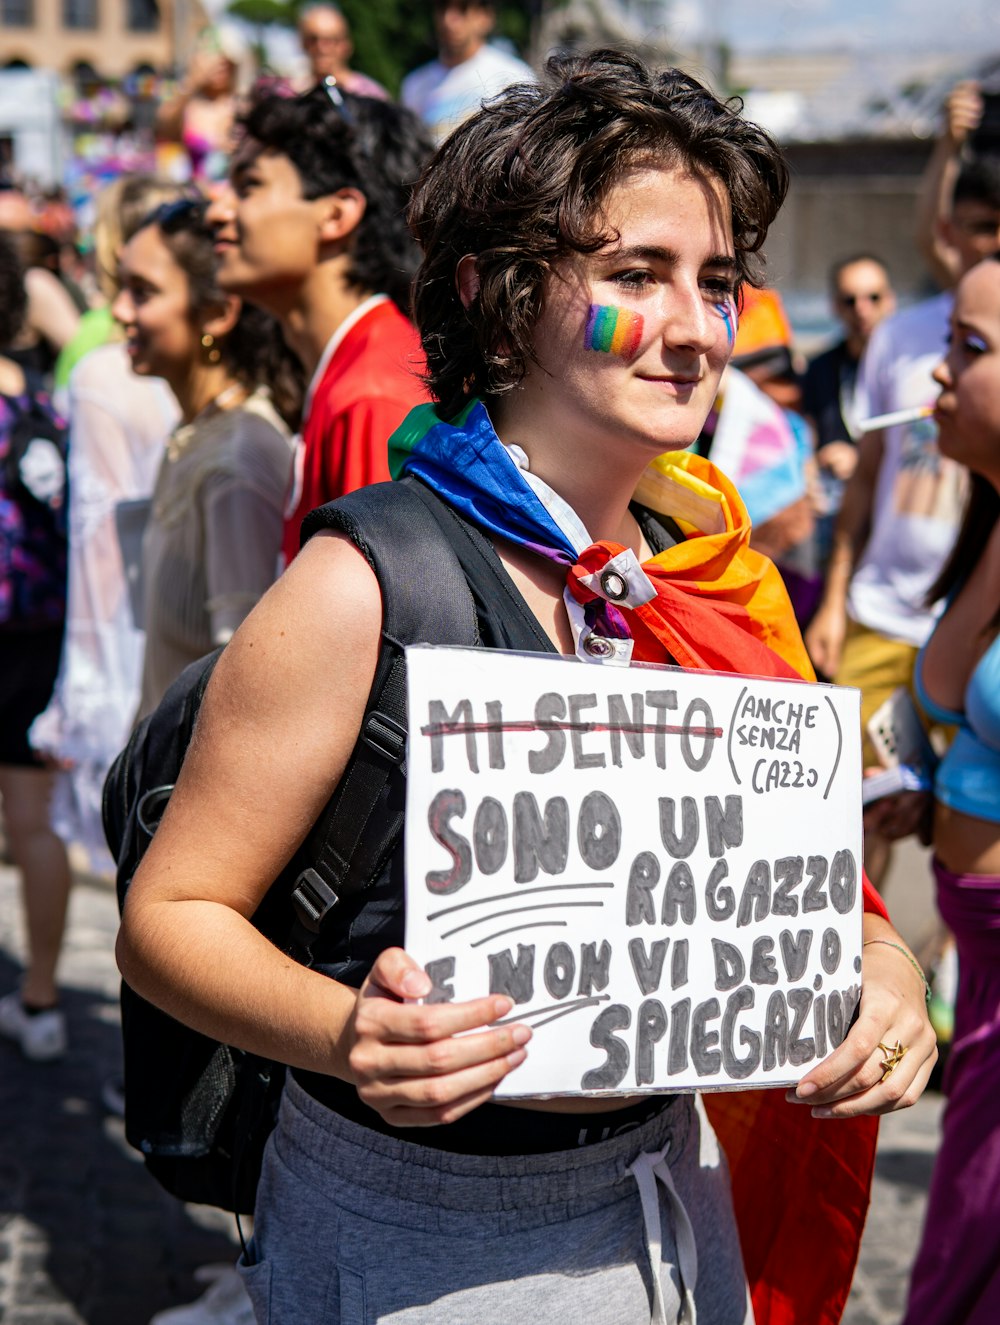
[393, 1188]
[313, 228]
[32, 614]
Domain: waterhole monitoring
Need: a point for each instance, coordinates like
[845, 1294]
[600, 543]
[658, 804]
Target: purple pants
[956, 1277]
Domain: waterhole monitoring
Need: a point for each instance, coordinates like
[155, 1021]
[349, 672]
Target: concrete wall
[844, 198]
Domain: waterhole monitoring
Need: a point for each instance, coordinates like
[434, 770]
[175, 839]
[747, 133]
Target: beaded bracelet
[909, 957]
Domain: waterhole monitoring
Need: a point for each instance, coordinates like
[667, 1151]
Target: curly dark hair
[520, 185]
[13, 296]
[254, 351]
[336, 140]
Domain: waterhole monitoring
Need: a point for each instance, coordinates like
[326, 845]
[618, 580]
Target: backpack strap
[399, 528]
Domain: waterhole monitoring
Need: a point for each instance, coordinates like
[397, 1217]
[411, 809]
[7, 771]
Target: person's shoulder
[363, 86]
[254, 431]
[386, 324]
[821, 364]
[91, 371]
[419, 81]
[925, 321]
[381, 358]
[259, 405]
[495, 59]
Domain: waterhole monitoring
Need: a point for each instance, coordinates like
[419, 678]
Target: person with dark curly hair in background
[32, 613]
[210, 549]
[313, 229]
[394, 1187]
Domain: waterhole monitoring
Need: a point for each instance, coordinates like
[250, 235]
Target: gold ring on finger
[893, 1058]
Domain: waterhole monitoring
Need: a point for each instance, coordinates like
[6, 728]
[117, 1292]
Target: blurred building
[98, 39]
[857, 129]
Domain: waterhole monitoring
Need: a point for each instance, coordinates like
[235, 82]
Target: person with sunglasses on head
[902, 506]
[210, 548]
[861, 295]
[312, 227]
[393, 1187]
[325, 37]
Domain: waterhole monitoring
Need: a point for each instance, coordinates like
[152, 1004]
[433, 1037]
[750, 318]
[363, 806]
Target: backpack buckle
[151, 806]
[313, 900]
[385, 736]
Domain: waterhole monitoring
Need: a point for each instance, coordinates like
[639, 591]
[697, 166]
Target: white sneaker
[225, 1302]
[42, 1037]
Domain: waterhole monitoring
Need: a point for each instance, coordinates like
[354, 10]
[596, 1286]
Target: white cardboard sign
[662, 868]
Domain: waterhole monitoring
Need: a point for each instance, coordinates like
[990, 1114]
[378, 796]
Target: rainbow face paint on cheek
[727, 311]
[613, 330]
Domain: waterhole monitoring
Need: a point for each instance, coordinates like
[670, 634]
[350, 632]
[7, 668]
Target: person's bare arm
[852, 1081]
[169, 124]
[51, 312]
[277, 727]
[963, 112]
[825, 636]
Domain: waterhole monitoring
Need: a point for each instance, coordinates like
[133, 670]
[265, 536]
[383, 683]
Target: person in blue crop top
[956, 1276]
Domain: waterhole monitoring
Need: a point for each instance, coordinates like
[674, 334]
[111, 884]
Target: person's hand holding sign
[887, 1057]
[411, 1062]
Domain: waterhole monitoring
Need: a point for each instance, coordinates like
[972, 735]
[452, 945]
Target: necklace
[180, 439]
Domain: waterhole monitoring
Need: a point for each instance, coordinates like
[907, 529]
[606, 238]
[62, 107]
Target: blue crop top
[968, 777]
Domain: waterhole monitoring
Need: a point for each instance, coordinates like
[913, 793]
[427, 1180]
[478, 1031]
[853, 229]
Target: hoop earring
[212, 352]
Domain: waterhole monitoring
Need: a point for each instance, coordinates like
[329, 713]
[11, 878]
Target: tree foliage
[391, 37]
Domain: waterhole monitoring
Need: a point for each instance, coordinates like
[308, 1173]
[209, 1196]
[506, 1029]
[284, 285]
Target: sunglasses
[268, 86]
[852, 300]
[171, 217]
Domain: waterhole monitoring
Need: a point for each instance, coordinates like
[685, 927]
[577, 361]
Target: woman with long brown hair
[210, 549]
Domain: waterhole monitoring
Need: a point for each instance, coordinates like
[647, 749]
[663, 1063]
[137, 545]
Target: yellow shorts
[877, 666]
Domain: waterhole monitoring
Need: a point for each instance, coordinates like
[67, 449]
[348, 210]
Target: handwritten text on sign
[661, 868]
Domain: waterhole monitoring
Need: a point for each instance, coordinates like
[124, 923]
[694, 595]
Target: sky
[972, 26]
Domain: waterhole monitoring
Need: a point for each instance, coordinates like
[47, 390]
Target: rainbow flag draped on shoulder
[718, 604]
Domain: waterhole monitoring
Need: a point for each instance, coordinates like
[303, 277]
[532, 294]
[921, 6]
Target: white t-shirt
[443, 97]
[920, 495]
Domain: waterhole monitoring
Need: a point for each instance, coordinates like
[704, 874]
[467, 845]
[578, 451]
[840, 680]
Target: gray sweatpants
[354, 1228]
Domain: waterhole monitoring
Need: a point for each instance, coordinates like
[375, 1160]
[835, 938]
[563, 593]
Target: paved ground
[87, 1238]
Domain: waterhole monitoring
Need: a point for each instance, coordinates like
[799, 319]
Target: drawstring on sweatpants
[646, 1169]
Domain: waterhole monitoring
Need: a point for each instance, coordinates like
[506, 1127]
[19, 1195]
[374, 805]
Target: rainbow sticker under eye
[613, 330]
[727, 311]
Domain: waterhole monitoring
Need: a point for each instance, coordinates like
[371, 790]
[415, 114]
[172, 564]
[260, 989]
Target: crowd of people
[343, 269]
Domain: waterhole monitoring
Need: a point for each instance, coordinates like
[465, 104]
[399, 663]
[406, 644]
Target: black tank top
[374, 919]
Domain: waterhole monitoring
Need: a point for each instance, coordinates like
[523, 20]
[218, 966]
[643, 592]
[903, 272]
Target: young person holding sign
[584, 247]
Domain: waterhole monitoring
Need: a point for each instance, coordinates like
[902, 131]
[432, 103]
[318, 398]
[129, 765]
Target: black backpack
[200, 1111]
[33, 482]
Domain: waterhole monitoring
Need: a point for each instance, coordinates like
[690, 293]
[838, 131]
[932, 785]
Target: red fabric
[801, 1188]
[371, 382]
